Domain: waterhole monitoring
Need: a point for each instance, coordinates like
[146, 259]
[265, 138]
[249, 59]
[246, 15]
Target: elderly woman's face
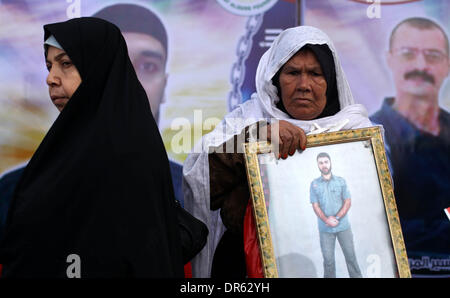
[303, 86]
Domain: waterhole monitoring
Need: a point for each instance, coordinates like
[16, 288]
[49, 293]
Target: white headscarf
[261, 106]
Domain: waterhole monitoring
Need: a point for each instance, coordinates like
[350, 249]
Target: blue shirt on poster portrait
[421, 162]
[8, 182]
[330, 194]
[176, 170]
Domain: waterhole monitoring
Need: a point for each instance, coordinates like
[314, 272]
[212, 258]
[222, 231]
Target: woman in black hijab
[99, 185]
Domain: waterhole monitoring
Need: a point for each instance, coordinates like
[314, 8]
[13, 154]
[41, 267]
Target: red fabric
[188, 270]
[251, 246]
[447, 211]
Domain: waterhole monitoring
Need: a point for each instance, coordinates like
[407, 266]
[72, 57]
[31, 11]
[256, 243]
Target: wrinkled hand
[290, 139]
[332, 221]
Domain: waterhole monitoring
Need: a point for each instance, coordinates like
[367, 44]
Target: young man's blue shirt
[330, 194]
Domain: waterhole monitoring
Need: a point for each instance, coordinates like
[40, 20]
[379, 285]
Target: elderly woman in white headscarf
[301, 86]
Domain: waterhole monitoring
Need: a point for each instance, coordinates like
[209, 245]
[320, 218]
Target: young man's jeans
[328, 245]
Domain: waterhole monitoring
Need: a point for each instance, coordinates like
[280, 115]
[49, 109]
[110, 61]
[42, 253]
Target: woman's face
[63, 77]
[303, 86]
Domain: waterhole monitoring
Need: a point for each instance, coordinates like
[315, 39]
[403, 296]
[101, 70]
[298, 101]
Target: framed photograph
[327, 211]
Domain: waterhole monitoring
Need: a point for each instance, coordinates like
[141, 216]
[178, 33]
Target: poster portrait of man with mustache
[418, 137]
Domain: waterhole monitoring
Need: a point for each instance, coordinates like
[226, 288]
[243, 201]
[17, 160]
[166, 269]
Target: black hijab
[99, 185]
[325, 58]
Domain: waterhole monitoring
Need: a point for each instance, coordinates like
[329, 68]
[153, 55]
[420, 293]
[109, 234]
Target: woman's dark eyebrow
[316, 68]
[57, 57]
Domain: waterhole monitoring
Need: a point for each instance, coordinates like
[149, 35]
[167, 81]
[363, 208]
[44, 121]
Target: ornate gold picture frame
[293, 238]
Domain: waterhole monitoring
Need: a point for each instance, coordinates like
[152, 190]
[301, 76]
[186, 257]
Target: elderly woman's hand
[290, 139]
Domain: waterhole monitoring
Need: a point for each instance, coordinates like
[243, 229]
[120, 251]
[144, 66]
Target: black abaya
[99, 185]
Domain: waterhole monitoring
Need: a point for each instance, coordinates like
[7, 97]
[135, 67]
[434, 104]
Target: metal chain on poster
[244, 47]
